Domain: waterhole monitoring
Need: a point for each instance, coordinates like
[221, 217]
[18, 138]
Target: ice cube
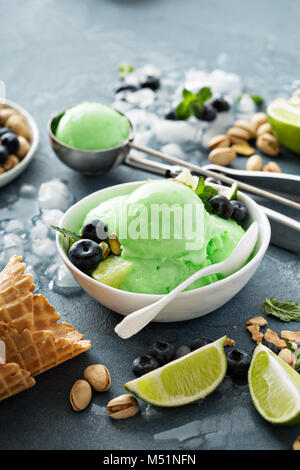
[246, 106]
[142, 98]
[64, 283]
[14, 225]
[141, 119]
[44, 247]
[121, 106]
[32, 260]
[173, 149]
[220, 125]
[40, 230]
[54, 194]
[167, 131]
[28, 191]
[142, 138]
[51, 216]
[12, 240]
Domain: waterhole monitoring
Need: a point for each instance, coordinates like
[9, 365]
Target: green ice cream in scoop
[92, 126]
[166, 235]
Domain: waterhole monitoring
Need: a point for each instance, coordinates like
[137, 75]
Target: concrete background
[56, 53]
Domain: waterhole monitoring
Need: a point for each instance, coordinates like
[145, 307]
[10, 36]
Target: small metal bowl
[87, 161]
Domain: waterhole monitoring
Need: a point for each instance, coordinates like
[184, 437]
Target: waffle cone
[34, 339]
[13, 380]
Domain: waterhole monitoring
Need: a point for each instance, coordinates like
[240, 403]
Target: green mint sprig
[66, 233]
[124, 69]
[192, 103]
[289, 345]
[205, 192]
[286, 310]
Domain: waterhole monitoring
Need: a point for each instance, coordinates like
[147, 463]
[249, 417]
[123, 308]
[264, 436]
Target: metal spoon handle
[225, 179]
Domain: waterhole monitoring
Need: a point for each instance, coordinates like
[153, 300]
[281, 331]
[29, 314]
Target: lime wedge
[284, 118]
[274, 387]
[231, 193]
[184, 380]
[112, 271]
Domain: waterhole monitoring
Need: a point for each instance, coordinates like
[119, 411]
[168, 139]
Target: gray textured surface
[57, 53]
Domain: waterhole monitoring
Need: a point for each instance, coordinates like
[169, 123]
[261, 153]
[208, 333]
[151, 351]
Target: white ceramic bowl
[187, 305]
[10, 175]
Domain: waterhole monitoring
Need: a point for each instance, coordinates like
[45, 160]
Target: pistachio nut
[23, 146]
[16, 123]
[11, 162]
[246, 125]
[114, 244]
[238, 135]
[219, 140]
[105, 250]
[98, 377]
[122, 407]
[259, 119]
[296, 444]
[243, 149]
[272, 167]
[80, 395]
[264, 129]
[222, 156]
[268, 144]
[255, 163]
[288, 356]
[5, 113]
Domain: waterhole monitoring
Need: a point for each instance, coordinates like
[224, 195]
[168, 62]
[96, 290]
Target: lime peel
[274, 387]
[184, 380]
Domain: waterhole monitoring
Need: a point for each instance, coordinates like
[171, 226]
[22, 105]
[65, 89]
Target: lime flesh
[184, 380]
[274, 387]
[284, 118]
[112, 271]
[231, 193]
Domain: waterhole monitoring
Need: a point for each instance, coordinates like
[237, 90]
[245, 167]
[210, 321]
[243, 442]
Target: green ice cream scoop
[154, 259]
[92, 126]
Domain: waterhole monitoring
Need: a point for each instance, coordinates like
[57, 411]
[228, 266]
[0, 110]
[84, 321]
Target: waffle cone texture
[35, 341]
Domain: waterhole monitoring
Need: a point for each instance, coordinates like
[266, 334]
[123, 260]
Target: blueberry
[144, 364]
[3, 154]
[10, 141]
[85, 255]
[171, 115]
[182, 351]
[240, 212]
[95, 230]
[199, 342]
[206, 113]
[271, 346]
[238, 363]
[163, 352]
[151, 82]
[221, 206]
[126, 88]
[4, 130]
[220, 104]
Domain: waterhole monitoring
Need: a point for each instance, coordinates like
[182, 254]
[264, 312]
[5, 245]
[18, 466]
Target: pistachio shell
[259, 119]
[122, 407]
[255, 163]
[98, 377]
[80, 395]
[114, 244]
[238, 135]
[18, 125]
[268, 144]
[222, 156]
[24, 147]
[219, 140]
[245, 125]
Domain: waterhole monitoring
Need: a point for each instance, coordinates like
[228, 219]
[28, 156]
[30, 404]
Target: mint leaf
[65, 232]
[192, 103]
[297, 364]
[124, 69]
[204, 94]
[289, 345]
[286, 310]
[205, 192]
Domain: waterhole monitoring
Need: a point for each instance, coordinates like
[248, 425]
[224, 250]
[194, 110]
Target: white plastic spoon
[137, 320]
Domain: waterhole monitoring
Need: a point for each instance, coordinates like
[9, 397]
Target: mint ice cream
[92, 126]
